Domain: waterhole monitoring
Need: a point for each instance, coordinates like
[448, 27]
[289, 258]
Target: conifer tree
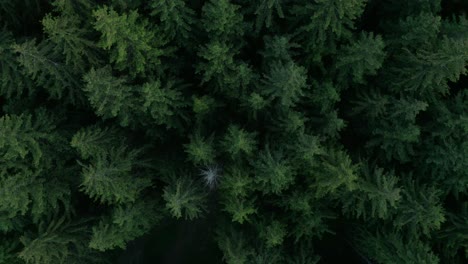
[393, 248]
[377, 195]
[364, 57]
[265, 11]
[109, 178]
[126, 223]
[109, 95]
[234, 247]
[176, 17]
[13, 81]
[70, 41]
[282, 131]
[336, 171]
[273, 173]
[129, 39]
[285, 83]
[184, 197]
[165, 103]
[420, 211]
[48, 71]
[56, 241]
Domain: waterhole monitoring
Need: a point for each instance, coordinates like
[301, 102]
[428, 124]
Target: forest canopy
[283, 131]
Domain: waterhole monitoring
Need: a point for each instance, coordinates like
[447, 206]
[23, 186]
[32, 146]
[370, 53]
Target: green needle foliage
[175, 16]
[185, 197]
[282, 131]
[126, 223]
[57, 241]
[129, 39]
[108, 94]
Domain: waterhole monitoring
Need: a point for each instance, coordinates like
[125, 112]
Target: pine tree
[303, 255]
[326, 22]
[419, 32]
[273, 173]
[233, 245]
[222, 20]
[265, 11]
[241, 209]
[285, 83]
[70, 41]
[21, 137]
[13, 81]
[238, 201]
[184, 197]
[445, 149]
[421, 210]
[56, 241]
[454, 234]
[109, 177]
[72, 7]
[218, 63]
[273, 233]
[129, 39]
[389, 247]
[165, 103]
[201, 150]
[238, 142]
[93, 141]
[110, 96]
[427, 73]
[41, 63]
[400, 115]
[175, 16]
[364, 57]
[377, 195]
[296, 129]
[126, 223]
[336, 171]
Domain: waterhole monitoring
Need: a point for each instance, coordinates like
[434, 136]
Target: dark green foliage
[278, 131]
[392, 248]
[126, 223]
[56, 241]
[335, 171]
[323, 22]
[175, 16]
[109, 178]
[200, 150]
[453, 235]
[233, 245]
[238, 142]
[43, 66]
[273, 233]
[185, 197]
[364, 57]
[109, 95]
[420, 209]
[165, 104]
[273, 173]
[218, 63]
[377, 195]
[266, 9]
[129, 39]
[70, 41]
[427, 73]
[7, 255]
[13, 82]
[285, 83]
[221, 20]
[238, 201]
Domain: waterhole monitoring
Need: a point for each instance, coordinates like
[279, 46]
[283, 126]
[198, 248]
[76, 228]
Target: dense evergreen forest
[233, 131]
